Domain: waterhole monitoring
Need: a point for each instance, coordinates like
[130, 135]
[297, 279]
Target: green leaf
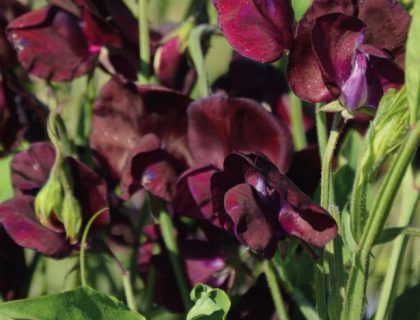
[343, 183]
[78, 304]
[6, 190]
[210, 304]
[412, 65]
[347, 233]
[388, 235]
[300, 7]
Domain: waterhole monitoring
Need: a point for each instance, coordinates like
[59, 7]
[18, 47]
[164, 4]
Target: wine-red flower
[349, 50]
[260, 206]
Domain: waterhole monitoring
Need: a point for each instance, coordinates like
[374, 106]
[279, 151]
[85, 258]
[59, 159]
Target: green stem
[320, 289]
[275, 290]
[144, 42]
[321, 129]
[83, 245]
[150, 289]
[128, 290]
[357, 204]
[296, 119]
[174, 256]
[356, 288]
[385, 305]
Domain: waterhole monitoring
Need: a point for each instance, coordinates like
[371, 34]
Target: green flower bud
[71, 217]
[48, 201]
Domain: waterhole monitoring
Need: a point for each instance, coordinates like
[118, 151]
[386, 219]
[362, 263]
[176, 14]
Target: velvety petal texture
[247, 24]
[260, 206]
[219, 125]
[123, 113]
[47, 37]
[337, 47]
[18, 219]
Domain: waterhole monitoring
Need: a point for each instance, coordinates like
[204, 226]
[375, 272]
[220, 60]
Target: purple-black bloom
[349, 50]
[260, 206]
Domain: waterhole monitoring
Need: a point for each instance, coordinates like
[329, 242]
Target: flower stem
[128, 290]
[356, 287]
[275, 290]
[409, 204]
[296, 119]
[172, 247]
[144, 42]
[321, 130]
[83, 245]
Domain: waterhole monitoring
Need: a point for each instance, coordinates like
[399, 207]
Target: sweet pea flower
[349, 50]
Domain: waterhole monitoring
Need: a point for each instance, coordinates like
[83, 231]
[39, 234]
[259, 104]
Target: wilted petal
[31, 168]
[251, 225]
[303, 72]
[12, 267]
[50, 44]
[335, 39]
[193, 196]
[387, 25]
[219, 125]
[18, 219]
[261, 30]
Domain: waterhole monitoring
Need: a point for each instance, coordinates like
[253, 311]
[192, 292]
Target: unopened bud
[71, 217]
[48, 201]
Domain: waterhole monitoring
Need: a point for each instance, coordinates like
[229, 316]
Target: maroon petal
[388, 72]
[90, 190]
[219, 125]
[12, 267]
[300, 217]
[250, 224]
[51, 45]
[335, 38]
[387, 25]
[18, 219]
[31, 168]
[303, 72]
[193, 196]
[124, 113]
[152, 168]
[249, 24]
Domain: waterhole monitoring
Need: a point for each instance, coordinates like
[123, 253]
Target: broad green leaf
[412, 65]
[210, 304]
[78, 304]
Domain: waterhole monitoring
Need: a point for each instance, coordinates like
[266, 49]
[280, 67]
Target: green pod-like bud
[71, 217]
[49, 201]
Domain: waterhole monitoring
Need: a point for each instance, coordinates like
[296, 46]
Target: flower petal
[18, 219]
[250, 224]
[387, 25]
[303, 72]
[51, 45]
[31, 168]
[249, 24]
[219, 125]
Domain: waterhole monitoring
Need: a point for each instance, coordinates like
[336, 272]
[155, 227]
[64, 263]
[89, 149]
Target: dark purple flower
[260, 206]
[351, 51]
[123, 113]
[30, 171]
[150, 167]
[260, 30]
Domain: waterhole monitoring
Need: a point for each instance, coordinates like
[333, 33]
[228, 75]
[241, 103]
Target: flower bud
[48, 201]
[71, 217]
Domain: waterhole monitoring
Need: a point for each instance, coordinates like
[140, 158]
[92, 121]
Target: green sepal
[71, 217]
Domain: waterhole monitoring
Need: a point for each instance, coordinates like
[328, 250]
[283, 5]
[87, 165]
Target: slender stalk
[150, 289]
[128, 290]
[144, 42]
[275, 290]
[296, 119]
[172, 247]
[357, 204]
[321, 130]
[385, 305]
[320, 289]
[326, 201]
[356, 288]
[83, 245]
